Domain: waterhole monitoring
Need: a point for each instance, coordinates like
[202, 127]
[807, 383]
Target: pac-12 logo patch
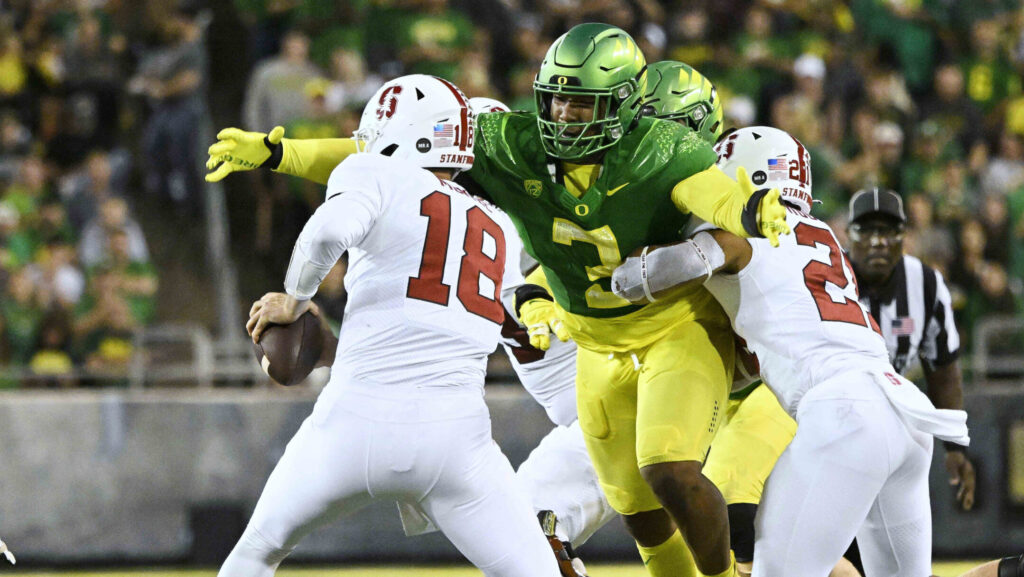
[533, 187]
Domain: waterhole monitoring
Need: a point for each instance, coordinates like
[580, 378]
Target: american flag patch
[778, 168]
[444, 135]
[903, 326]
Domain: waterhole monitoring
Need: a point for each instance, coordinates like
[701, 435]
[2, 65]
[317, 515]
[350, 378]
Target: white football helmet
[424, 119]
[772, 159]
[481, 105]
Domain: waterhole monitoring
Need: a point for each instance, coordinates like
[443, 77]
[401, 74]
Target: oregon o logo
[562, 80]
[582, 210]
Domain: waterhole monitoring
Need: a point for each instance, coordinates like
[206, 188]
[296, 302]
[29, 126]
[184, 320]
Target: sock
[730, 571]
[670, 559]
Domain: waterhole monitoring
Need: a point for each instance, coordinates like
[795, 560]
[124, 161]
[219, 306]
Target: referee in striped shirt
[912, 305]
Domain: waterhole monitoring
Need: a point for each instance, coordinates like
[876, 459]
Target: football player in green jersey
[757, 430]
[586, 181]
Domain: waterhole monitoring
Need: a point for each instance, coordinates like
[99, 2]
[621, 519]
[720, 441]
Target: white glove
[639, 278]
[7, 553]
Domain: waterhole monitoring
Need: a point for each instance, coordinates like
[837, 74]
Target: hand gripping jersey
[425, 277]
[796, 306]
[579, 241]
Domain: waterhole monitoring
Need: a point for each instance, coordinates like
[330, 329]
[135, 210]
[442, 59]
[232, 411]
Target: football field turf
[943, 569]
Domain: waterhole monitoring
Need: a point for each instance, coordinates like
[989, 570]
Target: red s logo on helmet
[388, 102]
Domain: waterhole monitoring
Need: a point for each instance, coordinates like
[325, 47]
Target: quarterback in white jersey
[858, 465]
[403, 416]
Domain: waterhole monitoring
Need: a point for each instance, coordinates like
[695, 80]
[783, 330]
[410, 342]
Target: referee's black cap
[876, 201]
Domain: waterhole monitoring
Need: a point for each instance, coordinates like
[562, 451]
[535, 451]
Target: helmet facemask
[576, 140]
[590, 60]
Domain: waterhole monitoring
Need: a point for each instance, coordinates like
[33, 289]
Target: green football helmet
[596, 60]
[679, 93]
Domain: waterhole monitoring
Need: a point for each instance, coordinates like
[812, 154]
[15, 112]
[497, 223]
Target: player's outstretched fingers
[221, 147]
[231, 133]
[219, 174]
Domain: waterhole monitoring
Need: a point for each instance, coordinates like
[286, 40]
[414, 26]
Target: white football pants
[429, 447]
[558, 476]
[853, 469]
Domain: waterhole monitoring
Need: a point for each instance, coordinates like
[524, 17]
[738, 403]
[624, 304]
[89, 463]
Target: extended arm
[733, 206]
[651, 271]
[313, 159]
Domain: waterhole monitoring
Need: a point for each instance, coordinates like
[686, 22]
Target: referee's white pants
[559, 477]
[853, 469]
[427, 447]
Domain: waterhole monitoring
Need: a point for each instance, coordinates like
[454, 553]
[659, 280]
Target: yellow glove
[771, 215]
[540, 319]
[237, 150]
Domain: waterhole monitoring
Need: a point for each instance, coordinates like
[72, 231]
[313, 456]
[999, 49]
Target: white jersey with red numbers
[797, 307]
[425, 275]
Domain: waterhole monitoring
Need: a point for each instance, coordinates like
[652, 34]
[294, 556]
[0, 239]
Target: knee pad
[741, 530]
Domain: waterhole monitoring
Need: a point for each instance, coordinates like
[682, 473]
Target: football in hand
[288, 353]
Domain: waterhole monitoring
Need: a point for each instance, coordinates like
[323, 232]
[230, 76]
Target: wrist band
[643, 275]
[529, 292]
[704, 259]
[749, 218]
[276, 154]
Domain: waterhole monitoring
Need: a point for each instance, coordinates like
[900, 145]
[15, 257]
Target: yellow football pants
[661, 403]
[743, 454]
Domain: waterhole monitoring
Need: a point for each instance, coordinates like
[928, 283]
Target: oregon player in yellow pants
[758, 430]
[742, 456]
[745, 432]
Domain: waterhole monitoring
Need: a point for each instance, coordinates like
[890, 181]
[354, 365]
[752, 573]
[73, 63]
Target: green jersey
[580, 241]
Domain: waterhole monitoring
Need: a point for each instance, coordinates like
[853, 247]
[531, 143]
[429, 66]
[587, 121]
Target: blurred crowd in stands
[76, 80]
[101, 102]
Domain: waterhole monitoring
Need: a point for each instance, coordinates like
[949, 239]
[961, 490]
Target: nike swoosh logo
[616, 189]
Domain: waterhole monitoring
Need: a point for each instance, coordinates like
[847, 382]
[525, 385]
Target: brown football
[288, 353]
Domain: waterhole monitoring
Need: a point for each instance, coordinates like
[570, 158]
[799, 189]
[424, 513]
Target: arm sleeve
[714, 197]
[340, 223]
[941, 342]
[314, 159]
